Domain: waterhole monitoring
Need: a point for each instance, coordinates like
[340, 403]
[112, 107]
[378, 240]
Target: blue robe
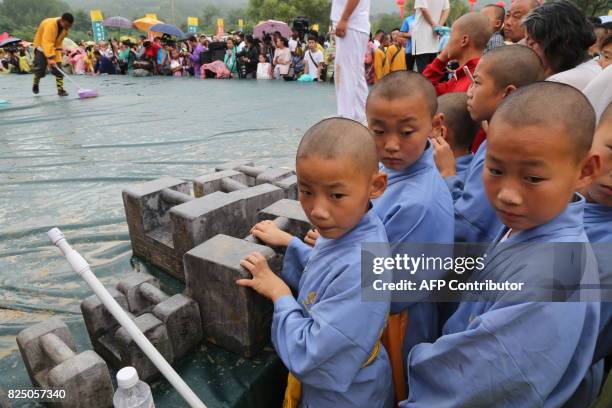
[598, 227]
[511, 354]
[327, 334]
[475, 218]
[455, 183]
[417, 208]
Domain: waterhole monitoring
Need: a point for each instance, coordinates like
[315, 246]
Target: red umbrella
[4, 36]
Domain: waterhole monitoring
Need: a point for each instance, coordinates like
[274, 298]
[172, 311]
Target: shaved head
[551, 105]
[477, 27]
[405, 84]
[454, 107]
[606, 116]
[526, 66]
[336, 138]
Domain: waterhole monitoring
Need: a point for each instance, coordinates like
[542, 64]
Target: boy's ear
[439, 128]
[509, 89]
[591, 169]
[379, 184]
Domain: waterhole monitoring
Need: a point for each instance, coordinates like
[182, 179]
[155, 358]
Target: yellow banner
[219, 23]
[240, 22]
[192, 21]
[96, 15]
[151, 15]
[315, 27]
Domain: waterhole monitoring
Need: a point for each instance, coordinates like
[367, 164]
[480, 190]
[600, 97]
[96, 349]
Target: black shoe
[35, 89]
[62, 92]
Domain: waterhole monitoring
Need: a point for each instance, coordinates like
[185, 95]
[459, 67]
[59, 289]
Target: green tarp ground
[64, 162]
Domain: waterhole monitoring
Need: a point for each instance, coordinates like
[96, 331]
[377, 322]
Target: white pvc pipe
[81, 267]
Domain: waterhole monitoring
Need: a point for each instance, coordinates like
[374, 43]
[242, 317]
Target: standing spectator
[429, 14]
[196, 49]
[468, 39]
[406, 33]
[313, 59]
[561, 36]
[396, 54]
[351, 19]
[231, 57]
[282, 58]
[495, 14]
[239, 41]
[330, 58]
[248, 57]
[369, 62]
[513, 28]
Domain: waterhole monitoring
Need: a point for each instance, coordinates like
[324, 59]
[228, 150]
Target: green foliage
[458, 8]
[593, 7]
[21, 15]
[386, 22]
[286, 10]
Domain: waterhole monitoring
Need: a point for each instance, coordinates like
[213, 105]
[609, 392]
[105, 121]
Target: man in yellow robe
[47, 50]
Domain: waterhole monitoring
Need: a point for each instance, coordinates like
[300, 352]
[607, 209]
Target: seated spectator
[150, 53]
[78, 58]
[264, 68]
[126, 57]
[495, 14]
[231, 57]
[561, 36]
[24, 62]
[103, 64]
[282, 58]
[313, 59]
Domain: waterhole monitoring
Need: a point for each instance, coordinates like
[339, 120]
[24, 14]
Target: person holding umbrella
[47, 49]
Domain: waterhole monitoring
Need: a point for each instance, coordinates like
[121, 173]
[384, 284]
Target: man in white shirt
[351, 19]
[313, 59]
[429, 14]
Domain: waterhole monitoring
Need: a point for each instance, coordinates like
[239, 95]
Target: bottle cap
[127, 377]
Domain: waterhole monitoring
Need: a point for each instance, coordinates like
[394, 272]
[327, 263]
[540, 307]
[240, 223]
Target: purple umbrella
[270, 27]
[117, 22]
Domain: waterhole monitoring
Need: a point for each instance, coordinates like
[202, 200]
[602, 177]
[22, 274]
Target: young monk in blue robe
[501, 351]
[598, 226]
[452, 137]
[475, 219]
[417, 206]
[327, 337]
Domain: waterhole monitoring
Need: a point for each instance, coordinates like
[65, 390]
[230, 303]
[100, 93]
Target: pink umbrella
[270, 27]
[4, 36]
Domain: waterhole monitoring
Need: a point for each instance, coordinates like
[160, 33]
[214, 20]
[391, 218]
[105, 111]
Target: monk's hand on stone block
[443, 156]
[311, 237]
[268, 232]
[265, 282]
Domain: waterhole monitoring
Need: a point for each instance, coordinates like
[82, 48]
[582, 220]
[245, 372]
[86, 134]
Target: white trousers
[349, 75]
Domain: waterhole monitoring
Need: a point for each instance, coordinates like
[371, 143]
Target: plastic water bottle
[132, 393]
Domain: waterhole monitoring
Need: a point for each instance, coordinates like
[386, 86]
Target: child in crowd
[328, 337]
[396, 54]
[176, 63]
[469, 36]
[605, 52]
[417, 206]
[598, 224]
[381, 67]
[453, 134]
[475, 220]
[501, 351]
[264, 69]
[313, 59]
